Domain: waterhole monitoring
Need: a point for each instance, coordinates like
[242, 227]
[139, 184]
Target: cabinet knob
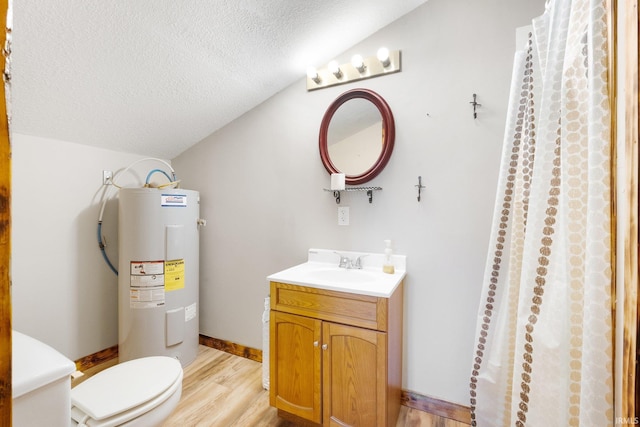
[324, 346]
[315, 343]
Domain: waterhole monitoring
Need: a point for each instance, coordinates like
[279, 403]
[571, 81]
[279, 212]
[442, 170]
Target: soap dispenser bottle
[387, 266]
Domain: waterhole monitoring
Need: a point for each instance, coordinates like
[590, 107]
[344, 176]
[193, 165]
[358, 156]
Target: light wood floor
[223, 390]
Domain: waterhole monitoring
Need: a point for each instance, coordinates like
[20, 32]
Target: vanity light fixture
[385, 62]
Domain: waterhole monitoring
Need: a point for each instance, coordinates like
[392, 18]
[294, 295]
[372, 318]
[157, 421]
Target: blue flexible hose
[104, 253]
[157, 170]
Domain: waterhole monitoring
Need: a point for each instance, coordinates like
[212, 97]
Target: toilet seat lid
[125, 386]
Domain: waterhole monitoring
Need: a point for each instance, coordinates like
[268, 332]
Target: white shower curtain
[543, 352]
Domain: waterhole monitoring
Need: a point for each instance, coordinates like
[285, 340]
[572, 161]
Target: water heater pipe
[172, 180]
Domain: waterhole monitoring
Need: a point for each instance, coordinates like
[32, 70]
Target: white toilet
[141, 392]
[40, 383]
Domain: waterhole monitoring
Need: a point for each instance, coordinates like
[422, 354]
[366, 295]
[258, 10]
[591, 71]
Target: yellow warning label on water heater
[174, 275]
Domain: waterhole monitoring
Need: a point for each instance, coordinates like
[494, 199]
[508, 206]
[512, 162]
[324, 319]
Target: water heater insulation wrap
[158, 273]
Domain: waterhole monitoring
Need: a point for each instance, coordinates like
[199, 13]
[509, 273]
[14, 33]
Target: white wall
[62, 291]
[261, 184]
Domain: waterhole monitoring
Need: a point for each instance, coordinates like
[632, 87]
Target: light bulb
[312, 73]
[334, 68]
[358, 63]
[383, 56]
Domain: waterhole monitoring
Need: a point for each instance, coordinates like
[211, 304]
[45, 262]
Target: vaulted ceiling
[155, 77]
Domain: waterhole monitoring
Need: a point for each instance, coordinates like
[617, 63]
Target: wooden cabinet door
[354, 376]
[296, 369]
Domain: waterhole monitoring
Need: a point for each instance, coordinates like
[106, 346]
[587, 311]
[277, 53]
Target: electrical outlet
[343, 215]
[107, 177]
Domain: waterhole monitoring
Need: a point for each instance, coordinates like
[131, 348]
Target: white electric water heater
[158, 275]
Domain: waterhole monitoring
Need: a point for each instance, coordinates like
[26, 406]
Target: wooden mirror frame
[388, 132]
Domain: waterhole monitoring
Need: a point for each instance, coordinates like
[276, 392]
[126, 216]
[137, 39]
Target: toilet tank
[41, 383]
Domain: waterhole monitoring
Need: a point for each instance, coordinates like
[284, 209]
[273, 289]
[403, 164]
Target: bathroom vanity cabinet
[335, 357]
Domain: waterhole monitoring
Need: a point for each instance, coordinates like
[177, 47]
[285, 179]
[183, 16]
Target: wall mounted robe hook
[475, 105]
[419, 186]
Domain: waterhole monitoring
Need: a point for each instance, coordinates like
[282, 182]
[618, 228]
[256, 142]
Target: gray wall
[261, 184]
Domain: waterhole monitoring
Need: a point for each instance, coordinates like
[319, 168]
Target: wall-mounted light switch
[343, 215]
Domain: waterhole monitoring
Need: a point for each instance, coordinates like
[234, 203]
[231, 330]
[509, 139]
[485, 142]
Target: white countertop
[321, 271]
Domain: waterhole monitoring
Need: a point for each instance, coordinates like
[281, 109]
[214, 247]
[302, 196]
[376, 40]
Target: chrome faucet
[345, 261]
[348, 263]
[358, 264]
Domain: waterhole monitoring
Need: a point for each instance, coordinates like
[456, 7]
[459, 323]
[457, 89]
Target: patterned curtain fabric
[543, 355]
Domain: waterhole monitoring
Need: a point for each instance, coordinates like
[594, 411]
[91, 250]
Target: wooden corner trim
[231, 347]
[435, 406]
[96, 359]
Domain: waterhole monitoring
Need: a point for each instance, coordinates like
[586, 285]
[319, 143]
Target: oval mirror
[357, 135]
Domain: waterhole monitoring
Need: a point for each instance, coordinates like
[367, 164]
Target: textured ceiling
[155, 77]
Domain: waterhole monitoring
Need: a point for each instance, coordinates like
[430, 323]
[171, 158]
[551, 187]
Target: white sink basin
[342, 275]
[322, 271]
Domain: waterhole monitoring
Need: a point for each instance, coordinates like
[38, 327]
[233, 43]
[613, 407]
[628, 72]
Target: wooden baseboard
[110, 353]
[435, 406]
[231, 347]
[96, 359]
[410, 399]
